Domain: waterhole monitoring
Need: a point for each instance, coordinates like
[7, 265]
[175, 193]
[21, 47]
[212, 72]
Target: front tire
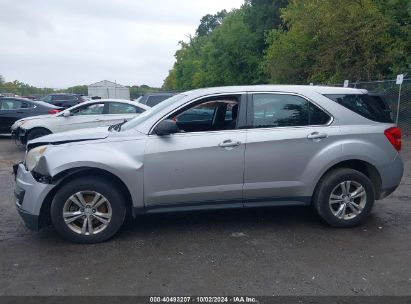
[344, 197]
[88, 210]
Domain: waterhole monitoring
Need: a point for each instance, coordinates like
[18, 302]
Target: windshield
[150, 113]
[44, 104]
[46, 98]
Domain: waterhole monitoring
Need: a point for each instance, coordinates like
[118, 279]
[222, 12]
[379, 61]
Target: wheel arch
[360, 165]
[28, 131]
[64, 177]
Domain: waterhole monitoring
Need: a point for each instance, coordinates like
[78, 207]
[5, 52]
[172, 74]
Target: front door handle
[229, 144]
[317, 135]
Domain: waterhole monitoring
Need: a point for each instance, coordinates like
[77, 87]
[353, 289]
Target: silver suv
[336, 149]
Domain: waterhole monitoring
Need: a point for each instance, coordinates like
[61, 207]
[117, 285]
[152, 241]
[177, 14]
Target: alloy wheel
[87, 212]
[347, 200]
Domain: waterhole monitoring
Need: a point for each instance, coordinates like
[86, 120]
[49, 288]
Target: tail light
[54, 111]
[394, 137]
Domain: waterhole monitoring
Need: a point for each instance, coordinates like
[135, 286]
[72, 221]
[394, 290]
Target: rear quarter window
[367, 106]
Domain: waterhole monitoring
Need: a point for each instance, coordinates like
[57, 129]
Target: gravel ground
[276, 251]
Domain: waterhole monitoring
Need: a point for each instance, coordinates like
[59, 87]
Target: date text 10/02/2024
[239, 299]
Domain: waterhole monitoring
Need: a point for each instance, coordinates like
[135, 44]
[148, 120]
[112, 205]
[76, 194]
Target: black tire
[101, 186]
[36, 133]
[325, 188]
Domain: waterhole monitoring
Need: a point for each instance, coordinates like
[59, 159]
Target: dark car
[153, 99]
[13, 108]
[63, 100]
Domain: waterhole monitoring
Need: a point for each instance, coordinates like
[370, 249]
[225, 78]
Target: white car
[90, 114]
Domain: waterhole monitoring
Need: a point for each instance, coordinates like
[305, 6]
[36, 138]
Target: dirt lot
[277, 251]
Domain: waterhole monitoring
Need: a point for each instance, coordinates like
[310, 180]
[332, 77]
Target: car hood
[39, 117]
[31, 118]
[70, 136]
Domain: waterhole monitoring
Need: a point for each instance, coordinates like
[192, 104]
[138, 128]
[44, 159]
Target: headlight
[33, 156]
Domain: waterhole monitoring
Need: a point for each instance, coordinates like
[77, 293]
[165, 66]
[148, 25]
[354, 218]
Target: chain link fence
[390, 91]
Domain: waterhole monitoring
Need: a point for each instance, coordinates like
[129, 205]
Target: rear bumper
[386, 192]
[30, 195]
[391, 175]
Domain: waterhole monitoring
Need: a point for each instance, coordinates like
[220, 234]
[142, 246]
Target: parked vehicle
[64, 100]
[14, 108]
[255, 146]
[153, 99]
[31, 97]
[85, 115]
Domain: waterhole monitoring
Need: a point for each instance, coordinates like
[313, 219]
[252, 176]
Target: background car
[96, 113]
[152, 99]
[64, 100]
[14, 108]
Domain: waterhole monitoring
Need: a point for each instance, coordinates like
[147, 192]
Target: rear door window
[72, 97]
[47, 98]
[279, 110]
[123, 108]
[91, 109]
[283, 110]
[367, 106]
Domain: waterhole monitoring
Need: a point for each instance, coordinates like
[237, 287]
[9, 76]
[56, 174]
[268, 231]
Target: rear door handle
[229, 144]
[317, 135]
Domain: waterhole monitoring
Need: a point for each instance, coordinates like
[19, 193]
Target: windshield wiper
[117, 127]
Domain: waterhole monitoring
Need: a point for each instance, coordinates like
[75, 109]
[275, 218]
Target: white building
[107, 89]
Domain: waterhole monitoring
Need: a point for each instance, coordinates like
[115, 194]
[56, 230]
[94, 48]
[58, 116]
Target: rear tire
[88, 210]
[36, 133]
[344, 197]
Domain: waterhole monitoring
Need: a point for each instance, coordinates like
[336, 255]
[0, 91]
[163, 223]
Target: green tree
[398, 15]
[137, 91]
[1, 82]
[262, 16]
[79, 89]
[230, 56]
[210, 22]
[328, 41]
[187, 72]
[227, 48]
[22, 89]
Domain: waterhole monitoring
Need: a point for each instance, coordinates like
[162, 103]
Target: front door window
[209, 115]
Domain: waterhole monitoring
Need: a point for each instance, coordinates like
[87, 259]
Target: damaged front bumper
[19, 134]
[30, 196]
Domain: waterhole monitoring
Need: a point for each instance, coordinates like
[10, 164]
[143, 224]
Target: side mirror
[66, 113]
[166, 127]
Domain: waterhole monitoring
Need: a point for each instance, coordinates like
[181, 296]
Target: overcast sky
[61, 43]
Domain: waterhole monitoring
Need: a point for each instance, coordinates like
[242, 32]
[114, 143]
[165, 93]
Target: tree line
[296, 42]
[24, 89]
